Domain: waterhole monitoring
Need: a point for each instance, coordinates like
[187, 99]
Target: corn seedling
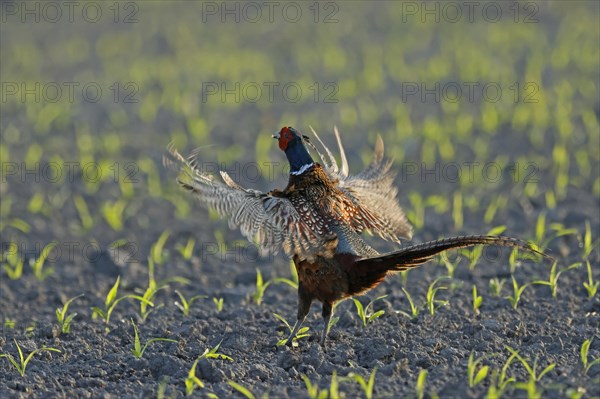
[64, 320]
[457, 210]
[162, 388]
[138, 350]
[554, 275]
[39, 271]
[475, 254]
[302, 332]
[261, 287]
[517, 292]
[22, 362]
[150, 292]
[417, 212]
[191, 381]
[588, 245]
[185, 304]
[156, 252]
[245, 391]
[496, 286]
[365, 314]
[367, 386]
[420, 388]
[476, 377]
[218, 303]
[532, 371]
[187, 250]
[450, 266]
[541, 232]
[87, 222]
[500, 381]
[111, 302]
[414, 310]
[214, 354]
[591, 286]
[113, 213]
[477, 300]
[314, 392]
[14, 263]
[531, 387]
[492, 209]
[587, 365]
[432, 303]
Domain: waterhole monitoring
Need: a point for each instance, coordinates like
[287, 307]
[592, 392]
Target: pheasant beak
[276, 136]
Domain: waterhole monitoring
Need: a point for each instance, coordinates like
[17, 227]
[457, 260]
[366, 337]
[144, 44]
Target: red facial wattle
[285, 136]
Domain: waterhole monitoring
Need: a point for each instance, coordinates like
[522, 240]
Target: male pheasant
[318, 218]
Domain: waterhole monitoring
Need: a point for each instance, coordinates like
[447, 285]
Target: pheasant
[318, 218]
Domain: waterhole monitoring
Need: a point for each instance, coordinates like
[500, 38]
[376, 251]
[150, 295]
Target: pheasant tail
[371, 271]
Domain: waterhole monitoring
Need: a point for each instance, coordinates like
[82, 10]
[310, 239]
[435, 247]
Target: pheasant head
[291, 142]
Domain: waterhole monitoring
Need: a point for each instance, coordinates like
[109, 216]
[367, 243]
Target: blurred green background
[159, 63]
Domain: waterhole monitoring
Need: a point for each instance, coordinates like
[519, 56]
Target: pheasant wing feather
[372, 191]
[269, 220]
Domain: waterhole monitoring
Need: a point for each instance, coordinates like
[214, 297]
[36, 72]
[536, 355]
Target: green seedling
[541, 232]
[554, 275]
[315, 393]
[591, 286]
[496, 286]
[113, 213]
[156, 252]
[367, 386]
[475, 254]
[513, 260]
[499, 380]
[111, 302]
[517, 292]
[218, 303]
[245, 391]
[477, 300]
[23, 361]
[498, 203]
[64, 320]
[214, 353]
[14, 263]
[185, 304]
[416, 214]
[365, 314]
[36, 203]
[261, 287]
[87, 222]
[39, 271]
[150, 292]
[191, 381]
[450, 266]
[414, 310]
[531, 387]
[138, 350]
[532, 371]
[302, 332]
[162, 388]
[476, 377]
[457, 210]
[188, 250]
[421, 380]
[588, 245]
[432, 303]
[587, 365]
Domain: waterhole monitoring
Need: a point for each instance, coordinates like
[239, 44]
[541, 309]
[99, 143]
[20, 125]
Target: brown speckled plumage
[318, 218]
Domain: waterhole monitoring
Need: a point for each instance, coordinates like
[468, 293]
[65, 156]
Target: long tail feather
[416, 255]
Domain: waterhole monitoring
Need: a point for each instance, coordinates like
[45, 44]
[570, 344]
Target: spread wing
[372, 189]
[269, 220]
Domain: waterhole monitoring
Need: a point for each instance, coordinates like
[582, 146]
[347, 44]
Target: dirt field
[491, 122]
